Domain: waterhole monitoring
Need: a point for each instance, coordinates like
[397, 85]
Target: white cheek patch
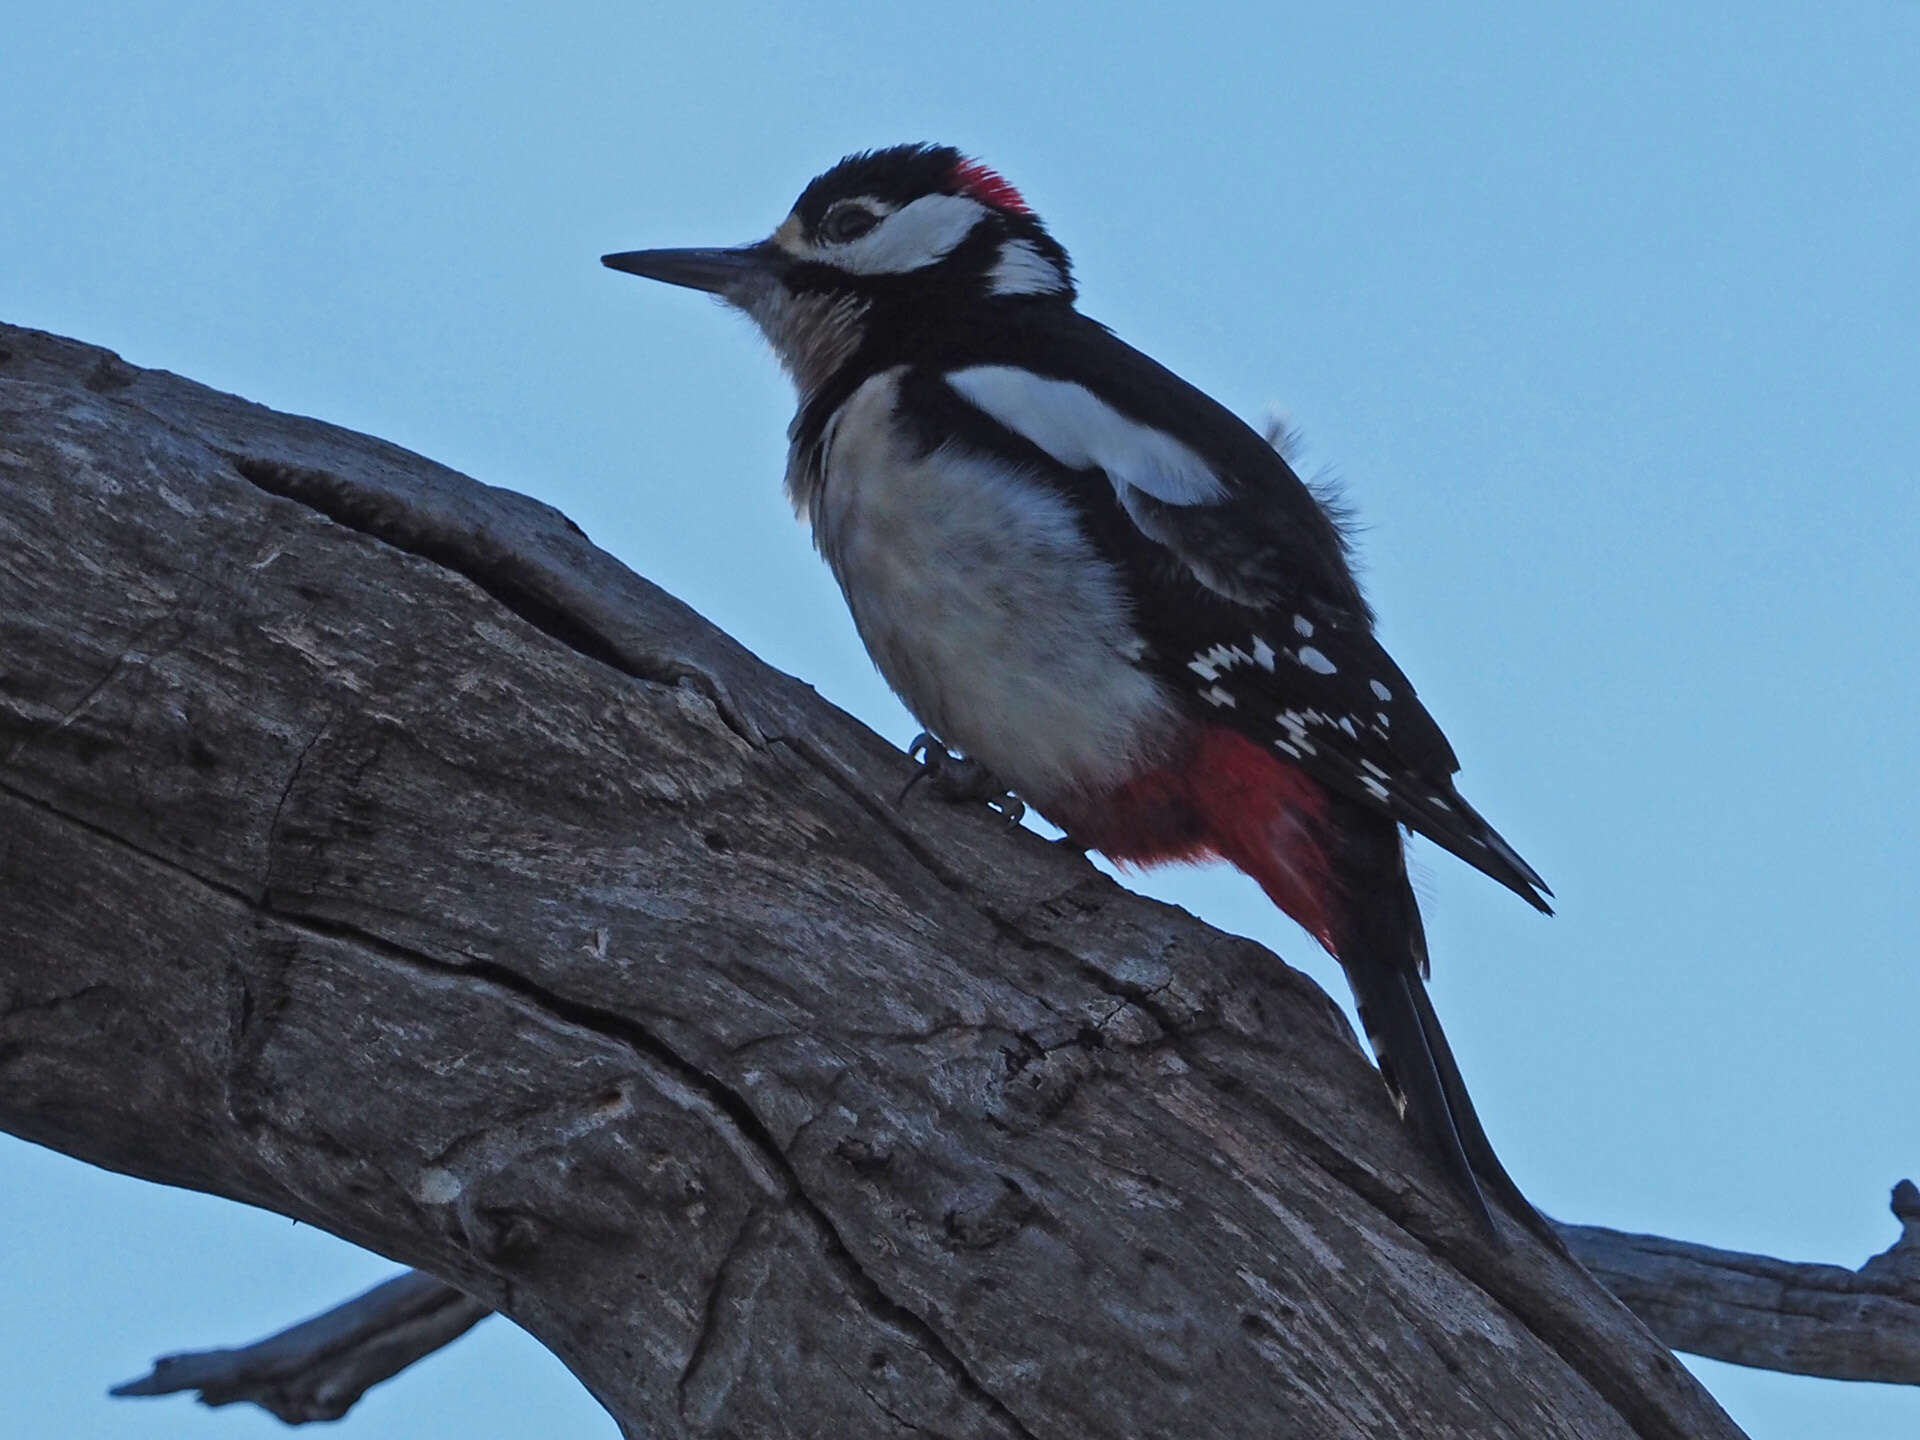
[1083, 432]
[911, 238]
[1023, 270]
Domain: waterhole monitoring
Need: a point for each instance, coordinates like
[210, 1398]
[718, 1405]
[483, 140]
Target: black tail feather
[1413, 1074]
[1382, 948]
[1466, 1123]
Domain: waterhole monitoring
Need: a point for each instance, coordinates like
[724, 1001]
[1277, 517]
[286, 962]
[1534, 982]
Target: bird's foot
[958, 780]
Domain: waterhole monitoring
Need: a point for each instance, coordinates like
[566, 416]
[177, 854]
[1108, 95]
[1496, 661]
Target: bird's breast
[985, 606]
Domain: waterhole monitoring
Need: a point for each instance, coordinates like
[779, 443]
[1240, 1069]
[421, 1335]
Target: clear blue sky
[1611, 324]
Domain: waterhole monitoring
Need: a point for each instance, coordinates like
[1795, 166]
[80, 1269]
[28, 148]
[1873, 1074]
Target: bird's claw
[958, 780]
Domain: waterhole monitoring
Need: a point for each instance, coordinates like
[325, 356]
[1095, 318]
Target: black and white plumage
[1100, 584]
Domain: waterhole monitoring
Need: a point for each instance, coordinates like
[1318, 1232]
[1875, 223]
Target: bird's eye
[848, 222]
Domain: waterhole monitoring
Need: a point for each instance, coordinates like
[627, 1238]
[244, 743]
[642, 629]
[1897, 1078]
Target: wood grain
[377, 851]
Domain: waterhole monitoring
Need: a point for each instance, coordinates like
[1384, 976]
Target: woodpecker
[1102, 588]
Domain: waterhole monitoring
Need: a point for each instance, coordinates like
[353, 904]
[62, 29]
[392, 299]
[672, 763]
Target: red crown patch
[970, 177]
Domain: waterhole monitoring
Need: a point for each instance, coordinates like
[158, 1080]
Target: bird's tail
[1381, 944]
[1340, 870]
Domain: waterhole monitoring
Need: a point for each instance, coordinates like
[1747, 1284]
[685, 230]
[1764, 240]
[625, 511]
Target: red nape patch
[1231, 798]
[970, 177]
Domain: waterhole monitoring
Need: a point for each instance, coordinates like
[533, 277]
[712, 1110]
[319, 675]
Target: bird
[1101, 591]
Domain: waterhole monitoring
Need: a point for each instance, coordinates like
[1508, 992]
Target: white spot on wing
[1214, 695]
[1373, 787]
[1209, 663]
[1295, 724]
[1315, 661]
[1380, 691]
[1262, 653]
[1303, 627]
[1083, 432]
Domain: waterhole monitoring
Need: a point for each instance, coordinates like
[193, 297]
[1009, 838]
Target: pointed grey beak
[720, 272]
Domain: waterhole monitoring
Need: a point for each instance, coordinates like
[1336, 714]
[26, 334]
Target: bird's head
[888, 248]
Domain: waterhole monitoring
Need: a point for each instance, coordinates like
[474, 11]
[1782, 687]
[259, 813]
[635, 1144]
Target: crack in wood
[746, 1123]
[130, 652]
[746, 1133]
[748, 1231]
[510, 579]
[1011, 932]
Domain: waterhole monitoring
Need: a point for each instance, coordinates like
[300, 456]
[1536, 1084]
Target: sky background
[1609, 322]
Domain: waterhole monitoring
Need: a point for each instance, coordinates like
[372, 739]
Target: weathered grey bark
[1746, 1309]
[319, 1369]
[1772, 1314]
[379, 852]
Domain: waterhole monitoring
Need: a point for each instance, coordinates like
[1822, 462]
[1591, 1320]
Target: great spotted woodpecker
[1101, 586]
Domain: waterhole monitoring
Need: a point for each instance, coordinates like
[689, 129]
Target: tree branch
[1820, 1320]
[1772, 1314]
[319, 1369]
[377, 851]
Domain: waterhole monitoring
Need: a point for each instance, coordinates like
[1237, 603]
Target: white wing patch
[1023, 270]
[913, 237]
[1083, 432]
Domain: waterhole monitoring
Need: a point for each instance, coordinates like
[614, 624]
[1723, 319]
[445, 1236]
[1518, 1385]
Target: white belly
[986, 608]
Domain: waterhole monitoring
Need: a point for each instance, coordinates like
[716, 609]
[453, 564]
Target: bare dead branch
[377, 851]
[1821, 1320]
[1772, 1314]
[318, 1369]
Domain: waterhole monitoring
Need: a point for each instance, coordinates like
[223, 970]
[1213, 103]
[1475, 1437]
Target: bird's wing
[1239, 576]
